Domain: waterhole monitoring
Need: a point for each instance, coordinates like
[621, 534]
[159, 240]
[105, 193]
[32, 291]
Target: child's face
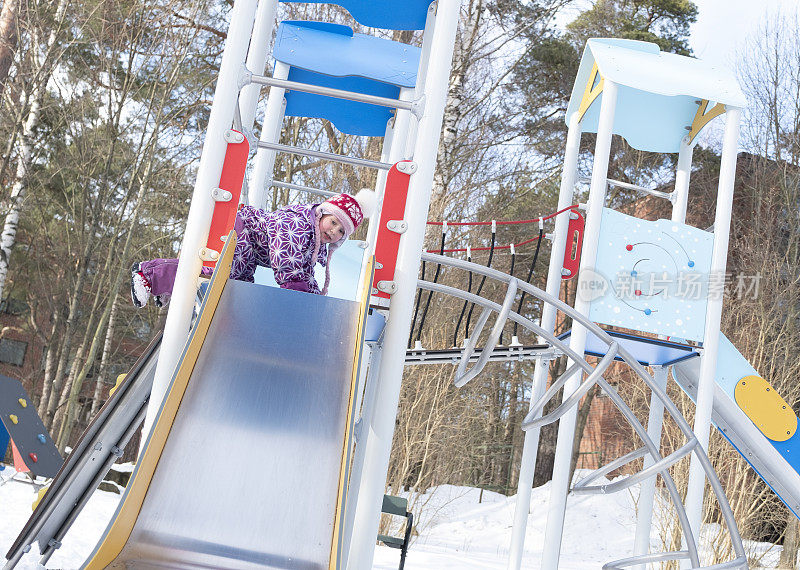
[330, 229]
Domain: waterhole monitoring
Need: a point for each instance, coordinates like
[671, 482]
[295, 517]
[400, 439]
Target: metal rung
[413, 106]
[325, 155]
[620, 184]
[582, 488]
[300, 188]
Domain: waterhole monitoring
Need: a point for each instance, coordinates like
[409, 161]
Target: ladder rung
[300, 188]
[325, 155]
[412, 106]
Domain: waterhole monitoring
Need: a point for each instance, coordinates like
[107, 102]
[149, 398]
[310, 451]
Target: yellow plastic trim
[120, 378]
[591, 92]
[120, 530]
[702, 117]
[365, 290]
[765, 408]
[39, 496]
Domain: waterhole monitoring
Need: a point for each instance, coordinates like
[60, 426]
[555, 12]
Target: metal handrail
[462, 374]
[531, 421]
[352, 160]
[638, 368]
[415, 107]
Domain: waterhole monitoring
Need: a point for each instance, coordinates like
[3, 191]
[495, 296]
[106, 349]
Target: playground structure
[20, 426]
[275, 408]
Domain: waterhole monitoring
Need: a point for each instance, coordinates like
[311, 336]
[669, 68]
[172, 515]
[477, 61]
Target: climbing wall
[33, 444]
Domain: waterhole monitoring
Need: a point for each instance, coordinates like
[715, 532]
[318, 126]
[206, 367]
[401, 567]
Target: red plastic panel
[231, 180]
[572, 253]
[388, 242]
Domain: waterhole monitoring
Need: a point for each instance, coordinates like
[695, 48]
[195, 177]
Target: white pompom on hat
[351, 210]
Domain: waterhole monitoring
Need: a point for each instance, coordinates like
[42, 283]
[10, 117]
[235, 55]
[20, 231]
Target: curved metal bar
[575, 397]
[551, 391]
[645, 559]
[651, 471]
[669, 483]
[609, 467]
[494, 336]
[469, 348]
[736, 563]
[669, 405]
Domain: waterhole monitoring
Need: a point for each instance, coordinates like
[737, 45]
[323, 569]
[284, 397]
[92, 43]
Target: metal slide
[775, 458]
[245, 467]
[94, 454]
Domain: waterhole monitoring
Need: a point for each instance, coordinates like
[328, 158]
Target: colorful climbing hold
[14, 419]
[33, 457]
[41, 438]
[23, 402]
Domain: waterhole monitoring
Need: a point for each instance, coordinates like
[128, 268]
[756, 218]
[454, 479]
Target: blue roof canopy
[658, 91]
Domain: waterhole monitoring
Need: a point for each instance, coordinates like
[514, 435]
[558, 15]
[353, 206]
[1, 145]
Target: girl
[290, 240]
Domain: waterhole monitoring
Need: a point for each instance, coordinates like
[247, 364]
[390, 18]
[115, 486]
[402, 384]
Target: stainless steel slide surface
[251, 468]
[776, 462]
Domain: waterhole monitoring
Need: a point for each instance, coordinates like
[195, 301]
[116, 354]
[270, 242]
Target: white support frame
[264, 162]
[708, 360]
[566, 427]
[257, 59]
[381, 424]
[176, 328]
[548, 322]
[647, 493]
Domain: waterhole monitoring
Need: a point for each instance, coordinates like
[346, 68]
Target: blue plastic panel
[732, 367]
[648, 351]
[388, 14]
[650, 276]
[5, 439]
[351, 117]
[338, 51]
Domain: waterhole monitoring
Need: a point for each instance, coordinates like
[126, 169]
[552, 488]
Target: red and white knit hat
[351, 210]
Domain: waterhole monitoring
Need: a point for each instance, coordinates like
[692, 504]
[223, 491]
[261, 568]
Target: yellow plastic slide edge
[365, 291]
[120, 530]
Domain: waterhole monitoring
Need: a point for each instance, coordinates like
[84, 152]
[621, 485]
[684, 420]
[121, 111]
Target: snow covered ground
[458, 529]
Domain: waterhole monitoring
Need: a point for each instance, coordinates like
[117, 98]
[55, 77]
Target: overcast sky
[723, 25]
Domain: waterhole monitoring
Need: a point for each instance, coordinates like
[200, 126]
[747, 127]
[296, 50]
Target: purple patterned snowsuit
[285, 240]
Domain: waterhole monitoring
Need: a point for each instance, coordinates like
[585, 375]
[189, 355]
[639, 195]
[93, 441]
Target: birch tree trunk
[8, 38]
[8, 236]
[101, 375]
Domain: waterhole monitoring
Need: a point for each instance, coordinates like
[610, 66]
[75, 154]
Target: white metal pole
[379, 441]
[257, 59]
[566, 426]
[548, 322]
[264, 162]
[708, 360]
[644, 515]
[422, 75]
[176, 328]
[683, 173]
